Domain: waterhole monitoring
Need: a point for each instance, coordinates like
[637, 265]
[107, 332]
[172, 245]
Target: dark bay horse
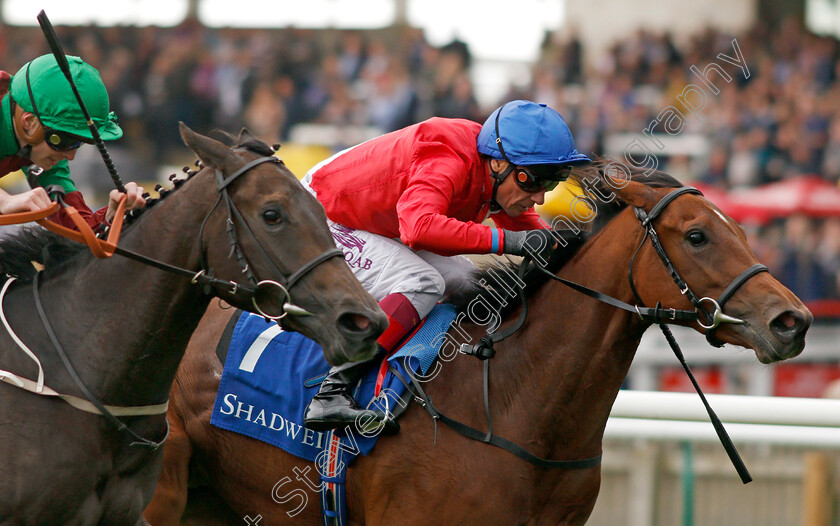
[552, 385]
[125, 325]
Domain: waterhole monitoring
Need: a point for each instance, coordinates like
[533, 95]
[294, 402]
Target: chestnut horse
[109, 333]
[552, 384]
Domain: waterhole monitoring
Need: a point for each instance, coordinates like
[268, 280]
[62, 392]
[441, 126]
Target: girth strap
[39, 388]
[121, 426]
[79, 403]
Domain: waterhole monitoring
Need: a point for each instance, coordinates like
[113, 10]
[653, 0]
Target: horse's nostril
[786, 320]
[354, 323]
[788, 325]
[362, 322]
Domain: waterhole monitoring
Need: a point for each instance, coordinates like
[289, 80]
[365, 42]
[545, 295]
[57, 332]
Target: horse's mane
[485, 283]
[19, 251]
[21, 248]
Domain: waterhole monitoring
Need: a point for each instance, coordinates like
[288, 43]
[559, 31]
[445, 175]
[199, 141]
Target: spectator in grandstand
[827, 255]
[798, 269]
[781, 121]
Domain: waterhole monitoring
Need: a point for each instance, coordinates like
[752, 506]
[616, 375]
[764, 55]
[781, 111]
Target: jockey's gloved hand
[538, 244]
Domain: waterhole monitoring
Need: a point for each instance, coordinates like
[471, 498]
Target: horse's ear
[245, 136]
[638, 195]
[210, 151]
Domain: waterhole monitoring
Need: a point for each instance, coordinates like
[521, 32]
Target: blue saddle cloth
[271, 375]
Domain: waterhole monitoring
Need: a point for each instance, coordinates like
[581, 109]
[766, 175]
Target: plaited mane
[249, 143]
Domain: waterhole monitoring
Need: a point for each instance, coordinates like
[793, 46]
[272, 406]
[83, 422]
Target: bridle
[286, 282]
[211, 285]
[700, 314]
[659, 315]
[484, 348]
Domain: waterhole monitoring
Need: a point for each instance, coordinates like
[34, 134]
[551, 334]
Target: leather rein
[203, 278]
[484, 350]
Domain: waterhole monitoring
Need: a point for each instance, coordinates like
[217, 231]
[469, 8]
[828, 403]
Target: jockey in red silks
[405, 205]
[42, 127]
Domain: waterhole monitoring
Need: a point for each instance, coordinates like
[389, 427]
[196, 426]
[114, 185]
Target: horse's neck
[559, 375]
[131, 318]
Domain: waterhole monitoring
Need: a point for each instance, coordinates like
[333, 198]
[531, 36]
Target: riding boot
[335, 407]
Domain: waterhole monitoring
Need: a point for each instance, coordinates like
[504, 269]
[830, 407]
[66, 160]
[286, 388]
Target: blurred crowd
[781, 122]
[267, 80]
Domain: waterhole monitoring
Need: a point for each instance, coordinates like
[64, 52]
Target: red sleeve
[528, 220]
[5, 80]
[423, 207]
[76, 200]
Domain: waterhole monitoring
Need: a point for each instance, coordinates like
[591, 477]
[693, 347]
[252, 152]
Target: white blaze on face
[721, 216]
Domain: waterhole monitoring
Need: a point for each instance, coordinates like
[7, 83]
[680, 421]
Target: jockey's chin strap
[498, 179]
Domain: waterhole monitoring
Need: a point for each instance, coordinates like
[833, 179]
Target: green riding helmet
[41, 88]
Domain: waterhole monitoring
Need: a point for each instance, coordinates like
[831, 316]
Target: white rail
[803, 422]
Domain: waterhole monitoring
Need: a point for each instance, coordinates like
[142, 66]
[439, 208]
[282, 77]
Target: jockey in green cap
[42, 126]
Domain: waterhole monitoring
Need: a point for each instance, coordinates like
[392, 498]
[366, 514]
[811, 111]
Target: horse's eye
[696, 238]
[271, 217]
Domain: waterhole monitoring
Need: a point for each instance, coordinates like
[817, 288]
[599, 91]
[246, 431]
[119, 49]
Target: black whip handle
[61, 58]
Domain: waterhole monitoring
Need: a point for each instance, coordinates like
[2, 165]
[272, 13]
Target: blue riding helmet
[525, 133]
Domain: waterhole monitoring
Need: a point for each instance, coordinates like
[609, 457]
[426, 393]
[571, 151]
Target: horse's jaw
[774, 321]
[781, 339]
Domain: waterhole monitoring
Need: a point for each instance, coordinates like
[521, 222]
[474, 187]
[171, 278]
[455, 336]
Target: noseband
[700, 314]
[211, 284]
[286, 282]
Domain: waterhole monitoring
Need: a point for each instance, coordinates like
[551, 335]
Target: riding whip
[61, 59]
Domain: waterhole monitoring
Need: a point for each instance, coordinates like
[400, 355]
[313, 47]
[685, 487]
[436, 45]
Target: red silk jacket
[425, 184]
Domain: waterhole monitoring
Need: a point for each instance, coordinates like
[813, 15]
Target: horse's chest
[71, 505]
[80, 489]
[122, 493]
